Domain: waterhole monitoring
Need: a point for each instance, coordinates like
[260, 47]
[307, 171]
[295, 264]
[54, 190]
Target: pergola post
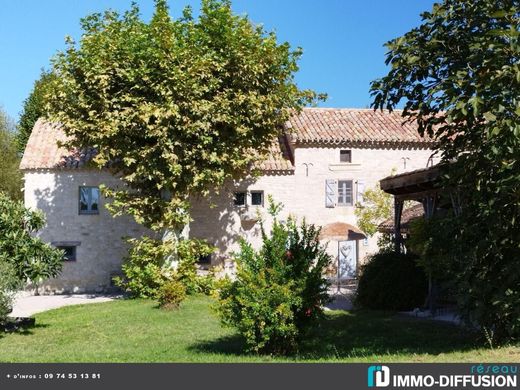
[429, 202]
[398, 211]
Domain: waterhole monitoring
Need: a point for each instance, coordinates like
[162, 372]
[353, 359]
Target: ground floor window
[70, 252]
[69, 247]
[257, 198]
[205, 260]
[240, 199]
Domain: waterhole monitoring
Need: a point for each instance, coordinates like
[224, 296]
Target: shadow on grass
[20, 329]
[361, 334]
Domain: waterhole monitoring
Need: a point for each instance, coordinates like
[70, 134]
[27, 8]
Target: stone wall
[99, 236]
[302, 193]
[101, 248]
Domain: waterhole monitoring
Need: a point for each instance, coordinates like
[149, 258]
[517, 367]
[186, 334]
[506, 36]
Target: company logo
[378, 376]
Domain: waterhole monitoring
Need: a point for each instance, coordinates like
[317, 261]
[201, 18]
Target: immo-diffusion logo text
[486, 376]
[378, 376]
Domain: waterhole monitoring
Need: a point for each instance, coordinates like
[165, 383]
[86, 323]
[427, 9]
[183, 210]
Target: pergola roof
[407, 185]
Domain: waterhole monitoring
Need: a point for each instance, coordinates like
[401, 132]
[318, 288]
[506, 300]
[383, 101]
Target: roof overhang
[411, 185]
[341, 231]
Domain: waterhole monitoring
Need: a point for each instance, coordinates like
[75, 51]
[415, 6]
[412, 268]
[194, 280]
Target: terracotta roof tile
[311, 126]
[346, 125]
[408, 215]
[42, 150]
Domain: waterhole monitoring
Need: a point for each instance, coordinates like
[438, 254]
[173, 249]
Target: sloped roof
[363, 127]
[407, 216]
[349, 125]
[279, 158]
[43, 151]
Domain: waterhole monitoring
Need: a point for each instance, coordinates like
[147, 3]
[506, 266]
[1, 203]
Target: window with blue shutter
[345, 193]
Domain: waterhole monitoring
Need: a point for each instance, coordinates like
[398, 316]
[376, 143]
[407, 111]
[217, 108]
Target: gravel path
[27, 305]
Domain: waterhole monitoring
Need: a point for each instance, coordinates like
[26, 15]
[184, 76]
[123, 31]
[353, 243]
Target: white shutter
[330, 193]
[360, 192]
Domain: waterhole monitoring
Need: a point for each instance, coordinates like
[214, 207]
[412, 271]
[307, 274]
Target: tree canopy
[458, 75]
[10, 176]
[33, 108]
[174, 106]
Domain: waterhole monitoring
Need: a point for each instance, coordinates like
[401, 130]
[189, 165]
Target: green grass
[137, 331]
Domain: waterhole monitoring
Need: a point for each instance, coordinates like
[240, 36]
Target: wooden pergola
[422, 185]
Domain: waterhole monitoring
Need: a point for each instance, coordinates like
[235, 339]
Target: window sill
[344, 166]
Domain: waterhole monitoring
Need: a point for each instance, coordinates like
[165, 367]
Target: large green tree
[33, 108]
[175, 107]
[10, 176]
[458, 75]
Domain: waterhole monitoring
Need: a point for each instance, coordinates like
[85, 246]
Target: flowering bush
[279, 290]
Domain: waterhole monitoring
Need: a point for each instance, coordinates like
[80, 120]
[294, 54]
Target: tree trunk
[174, 235]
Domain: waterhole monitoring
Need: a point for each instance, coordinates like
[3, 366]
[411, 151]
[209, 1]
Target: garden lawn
[137, 331]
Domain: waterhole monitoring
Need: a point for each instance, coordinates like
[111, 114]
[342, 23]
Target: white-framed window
[345, 193]
[251, 198]
[89, 200]
[257, 198]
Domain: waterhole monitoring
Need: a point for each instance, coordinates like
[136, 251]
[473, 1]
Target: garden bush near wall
[32, 259]
[148, 274]
[279, 291]
[391, 281]
[9, 284]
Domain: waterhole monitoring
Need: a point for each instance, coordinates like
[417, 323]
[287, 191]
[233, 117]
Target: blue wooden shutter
[360, 191]
[330, 193]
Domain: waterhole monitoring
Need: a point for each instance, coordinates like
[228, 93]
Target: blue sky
[342, 39]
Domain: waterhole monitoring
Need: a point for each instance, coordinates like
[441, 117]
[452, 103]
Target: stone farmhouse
[319, 169]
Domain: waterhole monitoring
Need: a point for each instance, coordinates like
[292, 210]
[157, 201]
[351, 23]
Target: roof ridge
[351, 109]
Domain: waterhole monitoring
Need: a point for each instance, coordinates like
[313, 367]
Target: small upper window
[345, 156]
[240, 199]
[70, 252]
[257, 198]
[89, 200]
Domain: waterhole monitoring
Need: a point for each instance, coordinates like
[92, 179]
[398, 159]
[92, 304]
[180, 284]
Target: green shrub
[171, 294]
[146, 267]
[143, 268]
[31, 258]
[189, 253]
[279, 290]
[391, 281]
[206, 284]
[9, 284]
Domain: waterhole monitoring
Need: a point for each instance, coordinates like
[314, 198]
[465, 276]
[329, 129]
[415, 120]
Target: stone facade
[302, 193]
[97, 237]
[303, 162]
